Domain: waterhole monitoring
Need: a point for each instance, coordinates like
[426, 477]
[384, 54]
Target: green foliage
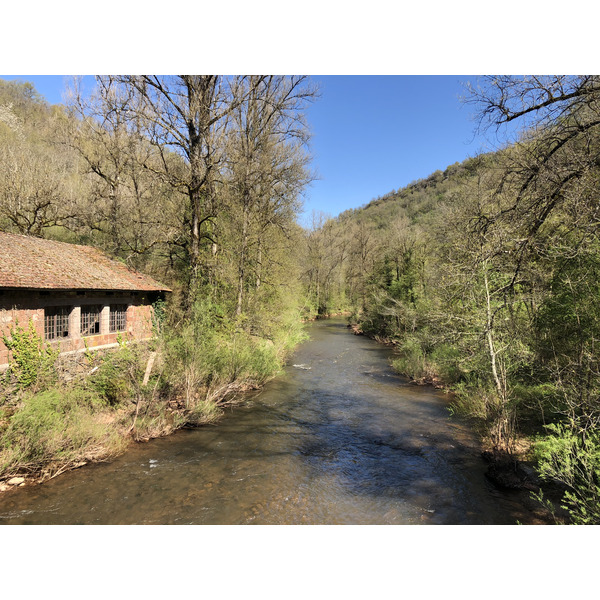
[58, 425]
[115, 377]
[568, 323]
[206, 354]
[447, 359]
[90, 355]
[159, 314]
[31, 359]
[472, 402]
[412, 361]
[574, 460]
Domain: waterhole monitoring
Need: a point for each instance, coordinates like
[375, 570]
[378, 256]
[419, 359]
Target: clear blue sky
[375, 134]
[371, 134]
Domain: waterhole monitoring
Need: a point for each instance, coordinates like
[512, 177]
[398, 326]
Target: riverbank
[513, 471]
[86, 418]
[91, 407]
[159, 416]
[317, 317]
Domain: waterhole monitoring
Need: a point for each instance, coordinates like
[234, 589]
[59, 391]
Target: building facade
[75, 296]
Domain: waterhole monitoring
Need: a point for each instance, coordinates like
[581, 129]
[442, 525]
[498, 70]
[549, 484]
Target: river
[337, 438]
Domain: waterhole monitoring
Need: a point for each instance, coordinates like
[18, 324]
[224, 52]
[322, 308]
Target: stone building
[75, 295]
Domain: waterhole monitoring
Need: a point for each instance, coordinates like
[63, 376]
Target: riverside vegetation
[484, 276]
[59, 413]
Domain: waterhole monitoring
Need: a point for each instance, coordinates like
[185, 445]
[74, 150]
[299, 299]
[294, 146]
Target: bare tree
[38, 189]
[130, 207]
[266, 160]
[185, 119]
[553, 168]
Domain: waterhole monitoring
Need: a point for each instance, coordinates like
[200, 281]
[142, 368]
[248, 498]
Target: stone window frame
[56, 318]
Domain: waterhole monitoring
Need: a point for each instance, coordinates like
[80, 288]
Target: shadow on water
[371, 465]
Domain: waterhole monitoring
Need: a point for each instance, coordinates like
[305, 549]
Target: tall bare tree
[185, 118]
[266, 160]
[38, 184]
[130, 207]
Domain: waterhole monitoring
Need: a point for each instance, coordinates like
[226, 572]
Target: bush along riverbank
[61, 412]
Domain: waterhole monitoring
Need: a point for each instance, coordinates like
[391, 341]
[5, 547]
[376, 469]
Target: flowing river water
[337, 438]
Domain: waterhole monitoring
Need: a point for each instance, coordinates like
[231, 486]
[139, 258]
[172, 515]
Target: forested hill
[348, 253]
[418, 199]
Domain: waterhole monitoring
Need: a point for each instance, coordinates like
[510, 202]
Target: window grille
[56, 322]
[118, 317]
[90, 320]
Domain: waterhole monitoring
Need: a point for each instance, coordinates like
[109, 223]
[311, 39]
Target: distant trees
[324, 257]
[38, 182]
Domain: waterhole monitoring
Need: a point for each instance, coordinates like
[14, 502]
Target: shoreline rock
[509, 473]
[16, 481]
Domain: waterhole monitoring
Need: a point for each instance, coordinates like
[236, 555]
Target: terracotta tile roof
[34, 263]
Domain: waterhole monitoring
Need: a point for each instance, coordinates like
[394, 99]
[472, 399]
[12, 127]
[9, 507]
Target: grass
[58, 427]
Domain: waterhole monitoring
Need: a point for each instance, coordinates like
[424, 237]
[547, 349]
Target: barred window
[56, 322]
[90, 320]
[118, 317]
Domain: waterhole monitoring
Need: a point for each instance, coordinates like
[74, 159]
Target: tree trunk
[242, 263]
[490, 340]
[259, 264]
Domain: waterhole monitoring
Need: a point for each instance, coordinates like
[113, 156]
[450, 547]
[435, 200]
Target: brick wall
[22, 306]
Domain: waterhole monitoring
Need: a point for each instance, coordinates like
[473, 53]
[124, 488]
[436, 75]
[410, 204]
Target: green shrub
[537, 401]
[445, 360]
[204, 411]
[159, 315]
[493, 418]
[56, 426]
[116, 375]
[208, 353]
[412, 361]
[31, 360]
[574, 460]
